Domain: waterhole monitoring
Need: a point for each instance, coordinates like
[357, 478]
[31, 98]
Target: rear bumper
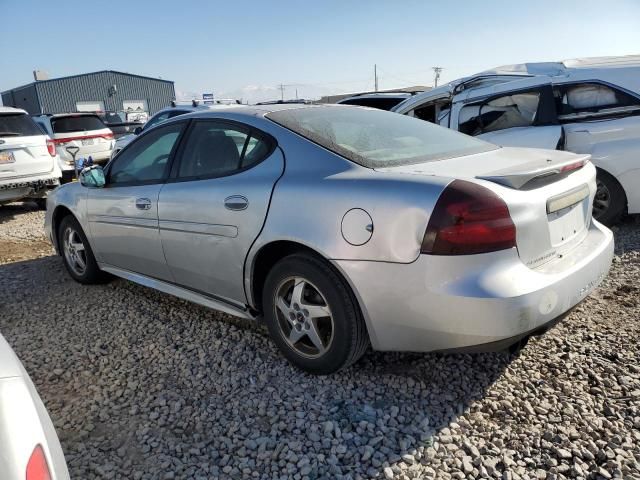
[444, 303]
[20, 188]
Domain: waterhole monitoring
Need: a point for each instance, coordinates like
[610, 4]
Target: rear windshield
[81, 123]
[377, 139]
[383, 103]
[18, 125]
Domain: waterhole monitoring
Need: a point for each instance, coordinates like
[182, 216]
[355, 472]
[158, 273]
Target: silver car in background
[29, 446]
[342, 227]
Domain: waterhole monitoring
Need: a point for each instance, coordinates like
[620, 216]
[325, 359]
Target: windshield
[375, 138]
[80, 123]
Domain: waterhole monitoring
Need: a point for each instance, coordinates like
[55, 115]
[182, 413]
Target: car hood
[10, 366]
[511, 166]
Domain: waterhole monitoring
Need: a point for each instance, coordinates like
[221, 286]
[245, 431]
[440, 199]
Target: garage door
[91, 106]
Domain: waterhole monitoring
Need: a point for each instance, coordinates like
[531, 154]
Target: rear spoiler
[535, 177]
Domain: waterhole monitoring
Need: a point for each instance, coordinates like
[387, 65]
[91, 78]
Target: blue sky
[247, 48]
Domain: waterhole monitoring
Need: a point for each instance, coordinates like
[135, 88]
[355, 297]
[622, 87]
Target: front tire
[610, 202]
[77, 255]
[312, 315]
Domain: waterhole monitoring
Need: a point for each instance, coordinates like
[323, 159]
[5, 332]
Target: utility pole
[375, 75]
[282, 92]
[436, 71]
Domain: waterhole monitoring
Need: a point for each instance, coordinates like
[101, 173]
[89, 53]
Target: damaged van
[588, 105]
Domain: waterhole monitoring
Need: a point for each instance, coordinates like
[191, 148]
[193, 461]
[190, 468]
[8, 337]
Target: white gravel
[142, 385]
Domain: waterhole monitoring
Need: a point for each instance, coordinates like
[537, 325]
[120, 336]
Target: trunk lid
[549, 194]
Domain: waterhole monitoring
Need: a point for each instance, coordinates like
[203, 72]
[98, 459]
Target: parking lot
[140, 384]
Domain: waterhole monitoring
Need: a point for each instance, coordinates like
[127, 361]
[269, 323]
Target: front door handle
[236, 202]
[143, 203]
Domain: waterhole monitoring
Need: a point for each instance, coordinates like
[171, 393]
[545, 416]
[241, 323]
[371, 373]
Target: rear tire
[610, 202]
[77, 255]
[312, 315]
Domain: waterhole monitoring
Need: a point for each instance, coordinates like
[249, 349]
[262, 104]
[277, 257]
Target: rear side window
[18, 125]
[215, 149]
[591, 99]
[81, 123]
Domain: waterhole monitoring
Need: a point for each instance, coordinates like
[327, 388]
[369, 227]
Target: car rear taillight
[51, 147]
[37, 468]
[573, 166]
[468, 219]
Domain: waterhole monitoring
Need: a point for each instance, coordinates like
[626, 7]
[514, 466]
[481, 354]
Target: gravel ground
[142, 385]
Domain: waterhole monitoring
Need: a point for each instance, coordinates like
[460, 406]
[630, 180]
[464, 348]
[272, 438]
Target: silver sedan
[29, 446]
[342, 227]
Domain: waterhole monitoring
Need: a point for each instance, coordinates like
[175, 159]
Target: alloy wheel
[304, 317]
[74, 251]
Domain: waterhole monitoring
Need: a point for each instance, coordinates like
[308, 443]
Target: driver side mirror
[137, 130]
[92, 177]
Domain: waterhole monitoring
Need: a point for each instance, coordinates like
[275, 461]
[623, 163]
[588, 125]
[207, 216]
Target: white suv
[587, 105]
[28, 160]
[82, 130]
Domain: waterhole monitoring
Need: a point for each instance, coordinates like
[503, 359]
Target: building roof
[37, 82]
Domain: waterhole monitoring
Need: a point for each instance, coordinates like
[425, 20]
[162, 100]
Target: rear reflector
[37, 468]
[51, 147]
[468, 219]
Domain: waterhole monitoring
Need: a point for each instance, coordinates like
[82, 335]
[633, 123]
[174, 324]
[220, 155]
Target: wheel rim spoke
[79, 247]
[80, 261]
[316, 311]
[295, 335]
[283, 307]
[313, 335]
[298, 290]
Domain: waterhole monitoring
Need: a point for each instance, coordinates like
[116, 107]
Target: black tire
[91, 273]
[349, 339]
[610, 203]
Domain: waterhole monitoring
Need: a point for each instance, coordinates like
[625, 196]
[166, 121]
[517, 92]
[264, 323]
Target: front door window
[146, 160]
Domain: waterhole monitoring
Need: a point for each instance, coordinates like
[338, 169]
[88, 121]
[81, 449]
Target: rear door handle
[236, 202]
[143, 203]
